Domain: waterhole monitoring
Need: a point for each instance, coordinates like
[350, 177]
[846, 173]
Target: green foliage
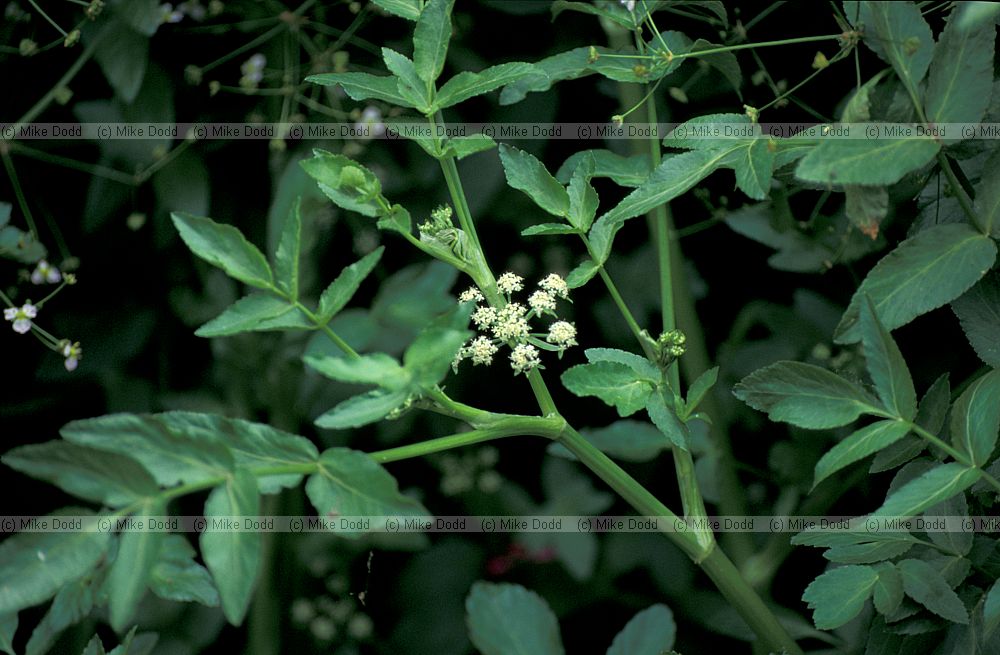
[224, 246]
[507, 618]
[839, 595]
[130, 572]
[924, 584]
[978, 310]
[649, 632]
[975, 418]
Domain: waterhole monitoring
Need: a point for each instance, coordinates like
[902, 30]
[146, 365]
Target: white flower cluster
[253, 71]
[510, 324]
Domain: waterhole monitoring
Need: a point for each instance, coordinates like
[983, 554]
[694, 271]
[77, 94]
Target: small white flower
[562, 334]
[484, 317]
[469, 295]
[628, 4]
[21, 316]
[510, 282]
[542, 302]
[45, 272]
[73, 354]
[511, 324]
[523, 358]
[253, 71]
[371, 116]
[169, 15]
[555, 285]
[481, 350]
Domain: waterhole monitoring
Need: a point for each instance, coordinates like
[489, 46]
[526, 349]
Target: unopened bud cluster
[510, 324]
[670, 346]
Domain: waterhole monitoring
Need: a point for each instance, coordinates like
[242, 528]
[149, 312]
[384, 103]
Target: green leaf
[352, 484]
[861, 444]
[94, 647]
[930, 416]
[35, 565]
[642, 367]
[347, 183]
[839, 595]
[123, 55]
[626, 440]
[582, 274]
[171, 453]
[888, 592]
[875, 162]
[463, 146]
[699, 388]
[408, 9]
[961, 74]
[101, 477]
[224, 246]
[467, 85]
[346, 285]
[975, 418]
[288, 254]
[378, 369]
[138, 550]
[527, 174]
[8, 626]
[230, 553]
[145, 16]
[506, 618]
[362, 410]
[867, 553]
[866, 207]
[804, 395]
[430, 39]
[978, 310]
[548, 229]
[362, 86]
[934, 486]
[753, 163]
[176, 576]
[429, 357]
[987, 204]
[73, 602]
[924, 272]
[660, 407]
[257, 312]
[897, 33]
[924, 584]
[614, 383]
[251, 444]
[954, 538]
[410, 85]
[624, 171]
[568, 65]
[886, 365]
[583, 200]
[991, 608]
[650, 632]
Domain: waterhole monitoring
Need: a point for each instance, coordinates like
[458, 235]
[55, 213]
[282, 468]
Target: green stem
[957, 189]
[954, 453]
[47, 17]
[333, 336]
[19, 192]
[761, 44]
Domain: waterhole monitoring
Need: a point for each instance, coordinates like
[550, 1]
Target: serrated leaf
[954, 538]
[467, 85]
[838, 595]
[662, 413]
[898, 33]
[548, 229]
[978, 310]
[568, 65]
[351, 483]
[583, 200]
[95, 475]
[342, 289]
[614, 383]
[257, 312]
[378, 369]
[347, 183]
[640, 365]
[626, 440]
[961, 74]
[866, 207]
[251, 444]
[225, 247]
[138, 550]
[886, 365]
[934, 486]
[867, 553]
[289, 252]
[429, 357]
[176, 576]
[463, 146]
[875, 162]
[362, 410]
[650, 632]
[888, 592]
[924, 272]
[507, 618]
[924, 584]
[699, 388]
[859, 445]
[804, 395]
[430, 39]
[987, 204]
[231, 554]
[624, 171]
[170, 453]
[975, 418]
[753, 163]
[582, 274]
[410, 85]
[362, 86]
[408, 9]
[525, 173]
